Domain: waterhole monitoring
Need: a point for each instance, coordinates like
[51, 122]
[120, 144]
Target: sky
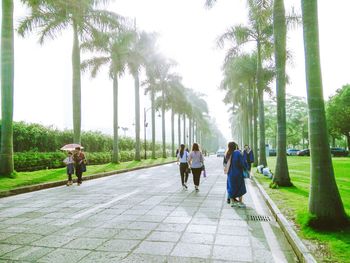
[187, 33]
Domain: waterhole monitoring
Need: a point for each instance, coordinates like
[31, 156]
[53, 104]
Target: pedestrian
[196, 162]
[235, 181]
[70, 167]
[248, 157]
[79, 161]
[182, 159]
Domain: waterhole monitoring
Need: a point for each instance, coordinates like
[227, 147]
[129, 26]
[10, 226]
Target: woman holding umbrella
[79, 161]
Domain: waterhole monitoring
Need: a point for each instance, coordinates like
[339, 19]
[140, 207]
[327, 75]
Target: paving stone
[176, 220]
[4, 235]
[233, 230]
[53, 241]
[155, 248]
[103, 257]
[262, 256]
[28, 253]
[233, 252]
[143, 225]
[22, 239]
[197, 238]
[230, 240]
[132, 234]
[5, 248]
[171, 227]
[192, 250]
[102, 233]
[151, 218]
[187, 260]
[164, 236]
[207, 229]
[122, 245]
[85, 243]
[62, 255]
[144, 258]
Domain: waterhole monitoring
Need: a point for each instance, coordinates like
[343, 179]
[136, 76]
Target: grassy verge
[293, 202]
[52, 175]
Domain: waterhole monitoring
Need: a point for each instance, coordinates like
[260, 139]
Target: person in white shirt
[182, 160]
[197, 164]
[70, 167]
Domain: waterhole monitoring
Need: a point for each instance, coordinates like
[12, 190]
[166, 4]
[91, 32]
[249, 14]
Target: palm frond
[94, 64]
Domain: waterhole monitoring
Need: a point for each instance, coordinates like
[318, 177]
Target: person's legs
[196, 176]
[183, 168]
[79, 174]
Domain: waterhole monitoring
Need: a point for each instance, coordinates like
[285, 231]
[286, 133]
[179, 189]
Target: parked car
[220, 153]
[305, 152]
[336, 151]
[292, 152]
[272, 152]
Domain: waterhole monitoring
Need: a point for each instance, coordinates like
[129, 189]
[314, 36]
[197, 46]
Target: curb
[37, 187]
[301, 251]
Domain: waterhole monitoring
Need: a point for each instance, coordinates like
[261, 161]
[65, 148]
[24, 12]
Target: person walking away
[196, 162]
[235, 181]
[227, 164]
[248, 157]
[182, 159]
[70, 167]
[79, 159]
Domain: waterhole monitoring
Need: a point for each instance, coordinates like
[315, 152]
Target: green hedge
[33, 161]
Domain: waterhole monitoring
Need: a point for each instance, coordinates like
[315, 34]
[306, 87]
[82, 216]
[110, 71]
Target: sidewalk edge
[303, 254]
[37, 187]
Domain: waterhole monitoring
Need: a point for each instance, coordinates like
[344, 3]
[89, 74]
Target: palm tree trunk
[255, 127]
[250, 114]
[137, 118]
[115, 154]
[184, 117]
[7, 76]
[324, 199]
[153, 109]
[163, 124]
[262, 153]
[172, 133]
[348, 139]
[76, 86]
[179, 129]
[281, 176]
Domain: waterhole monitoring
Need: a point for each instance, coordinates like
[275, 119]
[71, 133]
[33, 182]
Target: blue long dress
[235, 181]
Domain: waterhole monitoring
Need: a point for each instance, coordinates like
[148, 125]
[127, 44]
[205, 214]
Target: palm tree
[325, 203]
[138, 52]
[116, 48]
[51, 17]
[259, 30]
[7, 75]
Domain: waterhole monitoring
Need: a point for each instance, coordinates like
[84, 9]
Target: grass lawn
[42, 176]
[293, 202]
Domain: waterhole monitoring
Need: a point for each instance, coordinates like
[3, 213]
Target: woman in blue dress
[235, 180]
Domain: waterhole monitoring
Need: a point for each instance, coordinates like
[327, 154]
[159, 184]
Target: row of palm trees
[112, 41]
[247, 77]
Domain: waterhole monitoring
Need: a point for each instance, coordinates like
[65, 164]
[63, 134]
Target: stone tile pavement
[140, 216]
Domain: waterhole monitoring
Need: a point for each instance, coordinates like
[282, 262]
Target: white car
[220, 153]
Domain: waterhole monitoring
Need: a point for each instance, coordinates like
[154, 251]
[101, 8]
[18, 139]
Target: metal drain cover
[258, 218]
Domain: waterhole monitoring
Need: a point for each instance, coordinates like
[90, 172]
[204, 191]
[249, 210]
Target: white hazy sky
[187, 34]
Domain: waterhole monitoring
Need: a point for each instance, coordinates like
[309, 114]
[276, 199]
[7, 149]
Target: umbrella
[71, 147]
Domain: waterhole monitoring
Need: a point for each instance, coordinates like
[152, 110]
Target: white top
[68, 160]
[184, 157]
[196, 159]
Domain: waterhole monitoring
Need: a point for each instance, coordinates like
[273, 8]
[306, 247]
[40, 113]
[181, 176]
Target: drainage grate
[258, 218]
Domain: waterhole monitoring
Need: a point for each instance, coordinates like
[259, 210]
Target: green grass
[52, 175]
[293, 202]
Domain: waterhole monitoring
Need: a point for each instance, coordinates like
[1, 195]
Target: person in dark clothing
[248, 157]
[182, 159]
[79, 161]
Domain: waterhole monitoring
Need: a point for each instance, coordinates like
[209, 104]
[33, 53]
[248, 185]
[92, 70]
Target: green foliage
[338, 112]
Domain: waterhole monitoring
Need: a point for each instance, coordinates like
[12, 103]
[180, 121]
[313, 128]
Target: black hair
[182, 150]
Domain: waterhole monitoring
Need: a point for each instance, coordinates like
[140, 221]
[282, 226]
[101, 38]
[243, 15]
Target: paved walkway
[141, 216]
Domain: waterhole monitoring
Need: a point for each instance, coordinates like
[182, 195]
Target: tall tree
[7, 88]
[51, 17]
[324, 200]
[281, 176]
[116, 48]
